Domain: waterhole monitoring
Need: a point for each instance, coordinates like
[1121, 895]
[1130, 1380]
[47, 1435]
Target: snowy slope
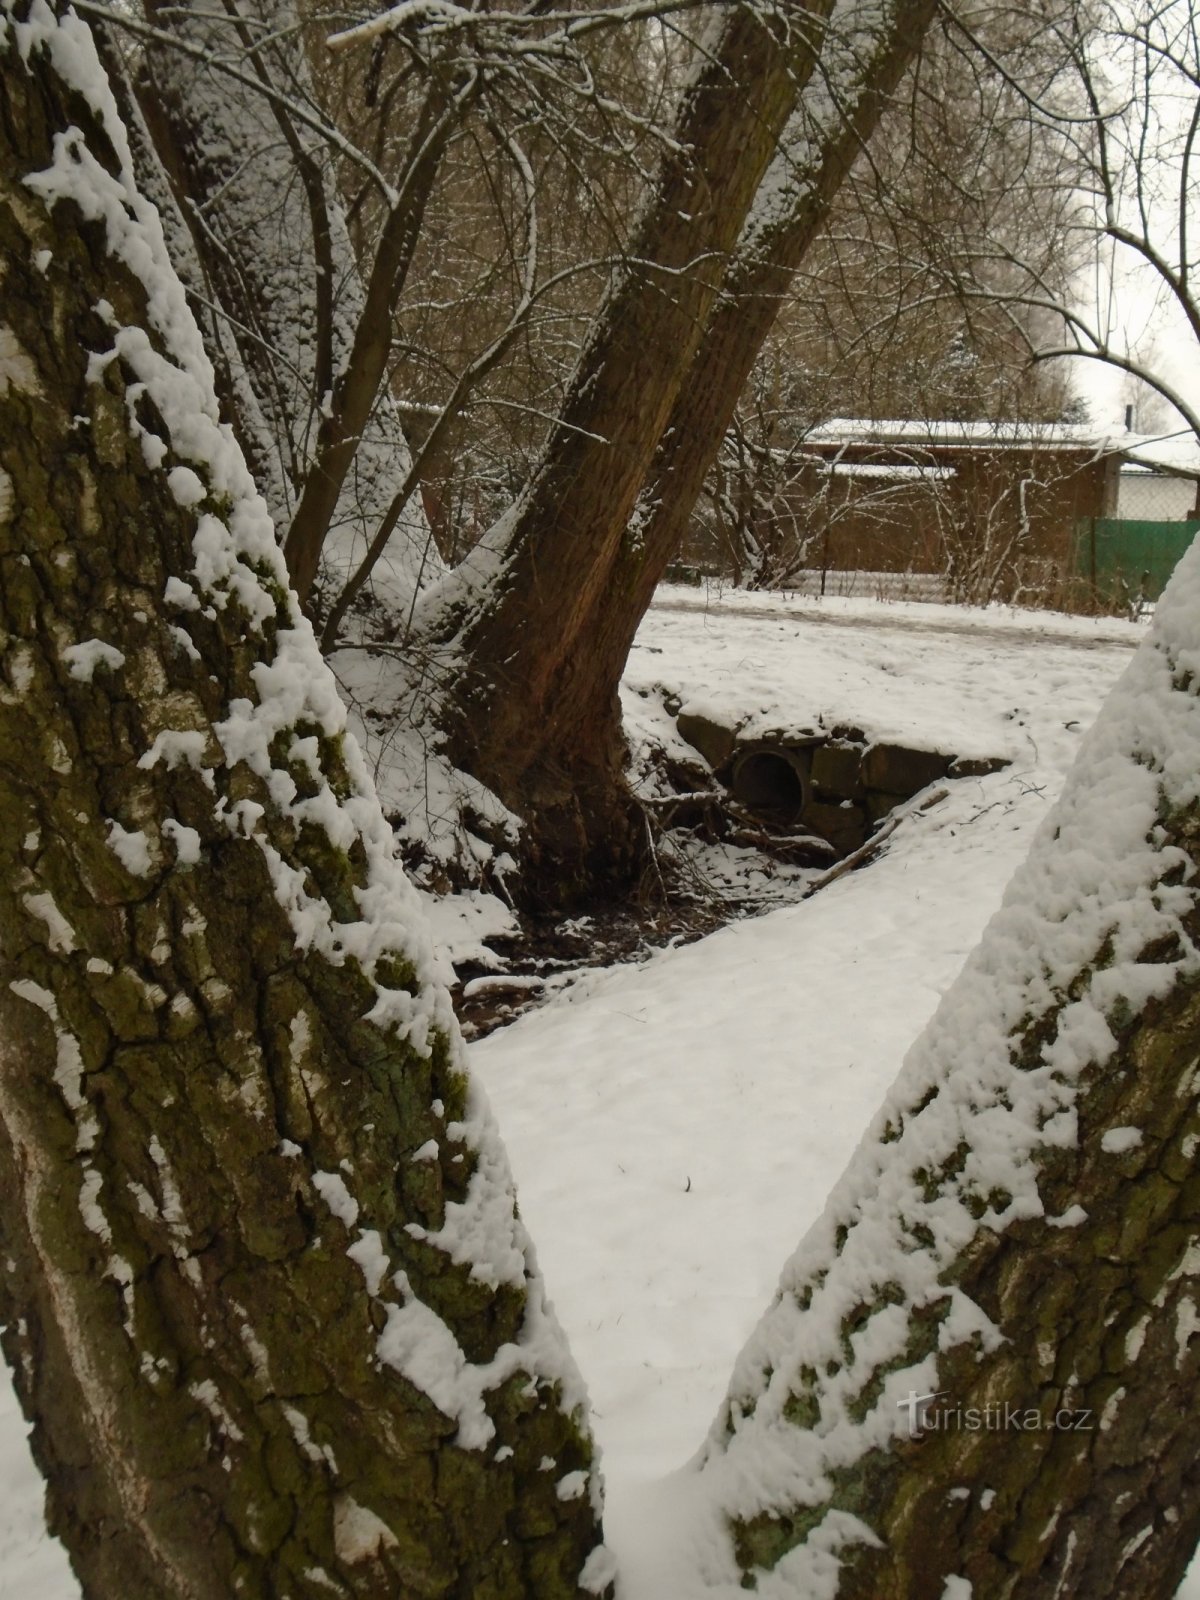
[675, 1127]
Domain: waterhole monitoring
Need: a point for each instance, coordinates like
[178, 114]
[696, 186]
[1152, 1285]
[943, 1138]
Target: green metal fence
[1122, 558]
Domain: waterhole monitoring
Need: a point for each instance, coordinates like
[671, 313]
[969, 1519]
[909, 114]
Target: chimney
[1129, 419]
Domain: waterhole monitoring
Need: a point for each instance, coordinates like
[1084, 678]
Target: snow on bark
[648, 406]
[236, 556]
[857, 35]
[519, 637]
[293, 301]
[227, 716]
[238, 561]
[1020, 1097]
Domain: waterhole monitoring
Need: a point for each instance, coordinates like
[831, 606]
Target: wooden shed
[994, 508]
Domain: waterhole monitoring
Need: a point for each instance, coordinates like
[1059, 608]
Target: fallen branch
[867, 850]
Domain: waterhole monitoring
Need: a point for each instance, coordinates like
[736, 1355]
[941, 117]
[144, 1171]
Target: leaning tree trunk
[267, 1298]
[542, 628]
[518, 616]
[826, 134]
[980, 1377]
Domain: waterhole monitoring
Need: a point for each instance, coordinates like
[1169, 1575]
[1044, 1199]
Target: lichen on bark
[265, 1350]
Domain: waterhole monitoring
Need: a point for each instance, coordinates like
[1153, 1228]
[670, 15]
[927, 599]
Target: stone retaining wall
[835, 783]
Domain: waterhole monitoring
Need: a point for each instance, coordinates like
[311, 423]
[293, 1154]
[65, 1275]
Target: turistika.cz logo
[926, 1416]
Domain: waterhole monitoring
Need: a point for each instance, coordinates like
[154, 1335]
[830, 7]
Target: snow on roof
[891, 471]
[1177, 453]
[921, 432]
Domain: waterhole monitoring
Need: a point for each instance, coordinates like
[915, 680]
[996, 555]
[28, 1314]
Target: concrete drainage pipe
[772, 779]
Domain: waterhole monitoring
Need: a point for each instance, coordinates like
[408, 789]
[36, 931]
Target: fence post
[1093, 521]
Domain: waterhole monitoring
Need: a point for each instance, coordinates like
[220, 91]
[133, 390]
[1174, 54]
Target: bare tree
[1122, 103]
[867, 329]
[545, 621]
[525, 700]
[488, 331]
[279, 160]
[868, 316]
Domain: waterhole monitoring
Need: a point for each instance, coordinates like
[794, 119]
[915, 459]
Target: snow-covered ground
[675, 1127]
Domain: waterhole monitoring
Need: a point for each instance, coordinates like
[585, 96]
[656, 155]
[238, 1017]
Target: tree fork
[583, 711]
[534, 609]
[584, 562]
[759, 280]
[265, 1347]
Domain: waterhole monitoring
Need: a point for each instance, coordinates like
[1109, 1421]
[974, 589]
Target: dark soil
[550, 953]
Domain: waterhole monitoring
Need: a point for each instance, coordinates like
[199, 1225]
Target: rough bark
[1018, 1242]
[268, 1303]
[162, 190]
[543, 635]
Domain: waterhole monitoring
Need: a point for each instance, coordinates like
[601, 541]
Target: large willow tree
[523, 646]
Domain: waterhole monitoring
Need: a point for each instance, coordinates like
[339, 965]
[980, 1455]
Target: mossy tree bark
[267, 1299]
[983, 1364]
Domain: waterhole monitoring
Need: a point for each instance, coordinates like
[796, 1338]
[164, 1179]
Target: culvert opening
[766, 780]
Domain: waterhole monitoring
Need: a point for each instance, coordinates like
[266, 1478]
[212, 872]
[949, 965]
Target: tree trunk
[306, 337]
[541, 626]
[267, 1298]
[810, 167]
[980, 1374]
[544, 636]
[362, 377]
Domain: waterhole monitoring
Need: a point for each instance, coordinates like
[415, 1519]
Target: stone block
[837, 771]
[977, 766]
[713, 739]
[880, 804]
[896, 769]
[845, 826]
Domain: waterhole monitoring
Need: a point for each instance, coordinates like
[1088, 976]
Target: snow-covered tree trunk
[306, 339]
[864, 56]
[266, 1294]
[980, 1374]
[542, 618]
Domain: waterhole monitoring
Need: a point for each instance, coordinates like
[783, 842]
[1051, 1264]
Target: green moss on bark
[204, 1377]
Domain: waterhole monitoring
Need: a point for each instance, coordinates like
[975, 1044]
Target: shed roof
[1177, 453]
[928, 433]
